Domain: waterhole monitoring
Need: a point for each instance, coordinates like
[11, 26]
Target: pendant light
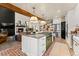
[43, 22]
[34, 18]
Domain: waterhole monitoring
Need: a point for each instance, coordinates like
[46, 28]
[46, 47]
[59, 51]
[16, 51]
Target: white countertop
[37, 36]
[76, 38]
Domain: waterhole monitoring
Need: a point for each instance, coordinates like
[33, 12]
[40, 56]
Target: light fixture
[33, 18]
[43, 22]
[58, 11]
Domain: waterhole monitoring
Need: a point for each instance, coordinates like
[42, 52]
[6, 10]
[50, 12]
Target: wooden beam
[17, 9]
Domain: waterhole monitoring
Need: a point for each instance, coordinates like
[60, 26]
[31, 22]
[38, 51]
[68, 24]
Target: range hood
[7, 24]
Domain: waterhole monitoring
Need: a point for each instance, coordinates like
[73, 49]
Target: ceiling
[47, 10]
[18, 10]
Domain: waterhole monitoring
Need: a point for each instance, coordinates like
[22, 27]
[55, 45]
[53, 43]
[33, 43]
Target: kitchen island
[36, 44]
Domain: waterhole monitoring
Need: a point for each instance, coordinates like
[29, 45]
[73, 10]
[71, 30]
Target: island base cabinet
[25, 45]
[48, 42]
[42, 46]
[33, 46]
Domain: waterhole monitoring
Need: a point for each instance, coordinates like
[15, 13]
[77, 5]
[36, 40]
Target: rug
[59, 49]
[13, 51]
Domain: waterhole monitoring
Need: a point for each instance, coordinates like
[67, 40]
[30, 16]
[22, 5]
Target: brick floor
[13, 51]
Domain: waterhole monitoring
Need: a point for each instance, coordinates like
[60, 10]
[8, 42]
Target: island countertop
[37, 36]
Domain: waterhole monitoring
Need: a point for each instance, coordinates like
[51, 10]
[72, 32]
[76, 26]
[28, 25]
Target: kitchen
[41, 29]
[42, 33]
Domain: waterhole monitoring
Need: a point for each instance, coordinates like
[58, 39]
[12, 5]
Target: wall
[7, 17]
[72, 18]
[22, 18]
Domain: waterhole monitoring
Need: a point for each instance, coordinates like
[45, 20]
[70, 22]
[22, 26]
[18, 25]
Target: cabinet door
[42, 50]
[42, 45]
[76, 48]
[42, 40]
[34, 47]
[48, 42]
[25, 45]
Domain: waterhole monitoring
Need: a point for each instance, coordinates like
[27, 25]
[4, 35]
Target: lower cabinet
[76, 47]
[42, 45]
[33, 47]
[48, 41]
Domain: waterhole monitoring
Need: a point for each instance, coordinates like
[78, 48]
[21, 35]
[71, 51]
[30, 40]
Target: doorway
[63, 30]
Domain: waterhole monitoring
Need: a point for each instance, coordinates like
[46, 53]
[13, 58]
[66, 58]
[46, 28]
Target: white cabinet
[25, 45]
[33, 46]
[42, 45]
[76, 45]
[76, 48]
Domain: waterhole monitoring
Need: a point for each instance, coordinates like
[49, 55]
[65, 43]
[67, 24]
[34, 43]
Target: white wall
[21, 17]
[72, 18]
